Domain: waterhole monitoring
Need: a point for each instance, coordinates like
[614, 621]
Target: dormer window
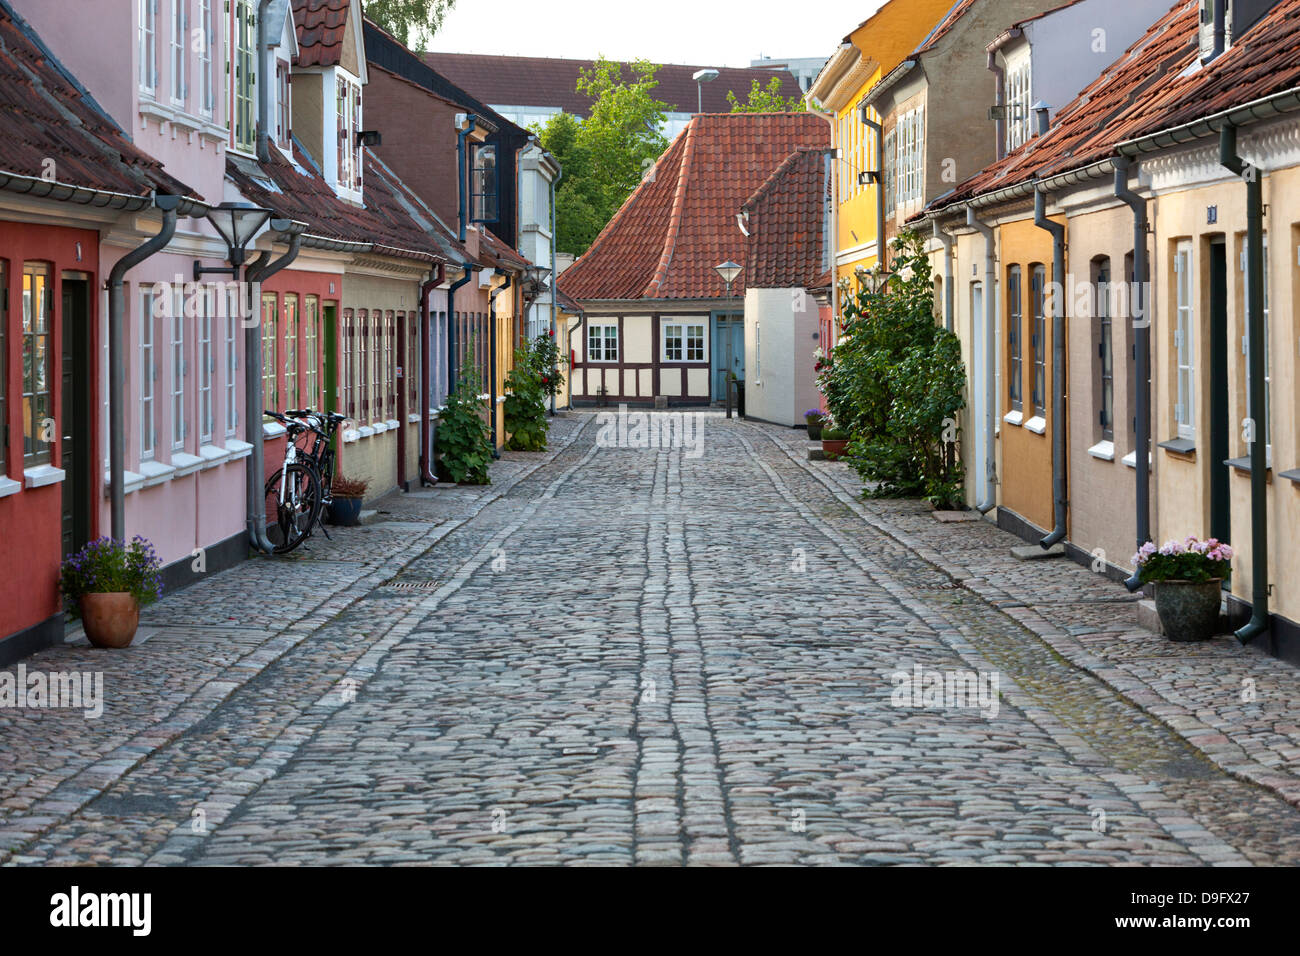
[349, 126]
[284, 111]
[483, 184]
[245, 72]
[148, 46]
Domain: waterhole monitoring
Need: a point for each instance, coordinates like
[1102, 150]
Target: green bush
[526, 387]
[896, 382]
[464, 438]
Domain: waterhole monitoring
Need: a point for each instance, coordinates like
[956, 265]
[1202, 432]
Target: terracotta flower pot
[834, 447]
[1189, 611]
[110, 619]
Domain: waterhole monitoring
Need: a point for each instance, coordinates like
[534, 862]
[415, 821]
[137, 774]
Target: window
[1015, 330]
[1038, 339]
[390, 364]
[891, 169]
[1019, 119]
[363, 364]
[1266, 426]
[683, 342]
[1105, 378]
[176, 346]
[413, 361]
[148, 46]
[695, 343]
[283, 113]
[1184, 344]
[180, 57]
[349, 364]
[483, 183]
[38, 363]
[4, 366]
[270, 393]
[207, 366]
[291, 390]
[311, 348]
[602, 343]
[147, 374]
[348, 113]
[232, 366]
[245, 70]
[910, 148]
[207, 39]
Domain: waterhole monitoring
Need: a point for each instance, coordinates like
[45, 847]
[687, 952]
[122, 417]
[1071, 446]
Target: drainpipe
[1229, 159]
[254, 275]
[1141, 359]
[555, 287]
[264, 47]
[946, 239]
[462, 133]
[117, 359]
[1058, 365]
[835, 222]
[882, 249]
[999, 100]
[426, 375]
[492, 355]
[453, 341]
[990, 499]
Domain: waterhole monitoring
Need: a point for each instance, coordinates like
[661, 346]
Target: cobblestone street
[621, 655]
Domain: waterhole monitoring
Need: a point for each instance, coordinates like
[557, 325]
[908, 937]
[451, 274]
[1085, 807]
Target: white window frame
[179, 368]
[603, 333]
[243, 78]
[148, 49]
[232, 369]
[702, 338]
[1017, 102]
[207, 367]
[148, 406]
[180, 54]
[1184, 352]
[207, 76]
[688, 341]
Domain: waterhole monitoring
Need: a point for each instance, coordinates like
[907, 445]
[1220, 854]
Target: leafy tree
[410, 20]
[767, 100]
[605, 155]
[896, 381]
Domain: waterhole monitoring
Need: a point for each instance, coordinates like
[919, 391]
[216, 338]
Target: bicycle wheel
[290, 515]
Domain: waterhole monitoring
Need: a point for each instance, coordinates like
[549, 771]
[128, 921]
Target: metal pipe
[1141, 360]
[947, 242]
[427, 476]
[254, 275]
[999, 100]
[453, 340]
[492, 356]
[990, 499]
[117, 360]
[555, 288]
[461, 169]
[882, 248]
[1058, 367]
[808, 101]
[1255, 371]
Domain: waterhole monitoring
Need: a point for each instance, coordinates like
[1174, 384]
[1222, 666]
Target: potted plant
[1188, 579]
[814, 418]
[106, 583]
[834, 439]
[346, 497]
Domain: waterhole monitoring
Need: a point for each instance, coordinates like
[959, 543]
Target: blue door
[728, 351]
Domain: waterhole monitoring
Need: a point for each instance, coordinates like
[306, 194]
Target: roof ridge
[780, 171]
[675, 215]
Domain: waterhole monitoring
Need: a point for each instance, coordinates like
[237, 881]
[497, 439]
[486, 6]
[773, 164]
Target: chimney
[1041, 112]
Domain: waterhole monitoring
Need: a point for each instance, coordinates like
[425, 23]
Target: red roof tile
[547, 81]
[787, 219]
[1157, 84]
[46, 116]
[680, 222]
[321, 26]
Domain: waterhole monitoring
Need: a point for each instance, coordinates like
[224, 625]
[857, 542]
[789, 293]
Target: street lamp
[729, 271]
[701, 77]
[237, 223]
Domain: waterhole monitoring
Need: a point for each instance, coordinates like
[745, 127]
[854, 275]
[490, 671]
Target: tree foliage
[766, 100]
[527, 386]
[411, 21]
[464, 438]
[605, 155]
[896, 382]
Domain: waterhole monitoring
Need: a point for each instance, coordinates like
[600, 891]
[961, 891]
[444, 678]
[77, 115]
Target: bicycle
[297, 494]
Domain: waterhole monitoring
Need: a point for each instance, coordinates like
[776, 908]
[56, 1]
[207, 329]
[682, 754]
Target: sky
[698, 32]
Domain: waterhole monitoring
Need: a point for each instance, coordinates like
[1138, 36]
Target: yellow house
[872, 49]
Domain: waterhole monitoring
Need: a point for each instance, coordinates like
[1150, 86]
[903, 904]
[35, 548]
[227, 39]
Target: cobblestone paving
[618, 655]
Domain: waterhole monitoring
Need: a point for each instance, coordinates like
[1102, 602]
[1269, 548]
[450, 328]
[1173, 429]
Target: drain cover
[412, 585]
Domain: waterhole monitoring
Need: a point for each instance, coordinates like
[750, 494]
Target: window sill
[1243, 465]
[412, 418]
[238, 449]
[392, 424]
[1179, 446]
[350, 436]
[1131, 460]
[42, 475]
[131, 481]
[365, 431]
[273, 429]
[1037, 425]
[185, 464]
[378, 428]
[1105, 450]
[1014, 418]
[156, 473]
[9, 487]
[212, 455]
[1293, 476]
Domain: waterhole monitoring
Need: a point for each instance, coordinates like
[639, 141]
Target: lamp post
[701, 77]
[729, 271]
[237, 223]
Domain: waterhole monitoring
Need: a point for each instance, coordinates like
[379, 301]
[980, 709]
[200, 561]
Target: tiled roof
[551, 82]
[680, 222]
[299, 192]
[321, 25]
[1157, 84]
[46, 115]
[787, 224]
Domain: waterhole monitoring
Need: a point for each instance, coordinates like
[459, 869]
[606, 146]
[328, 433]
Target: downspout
[1229, 159]
[453, 341]
[426, 375]
[990, 499]
[492, 357]
[882, 248]
[946, 240]
[835, 221]
[462, 133]
[254, 477]
[117, 359]
[1058, 366]
[555, 288]
[999, 100]
[263, 87]
[1141, 360]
